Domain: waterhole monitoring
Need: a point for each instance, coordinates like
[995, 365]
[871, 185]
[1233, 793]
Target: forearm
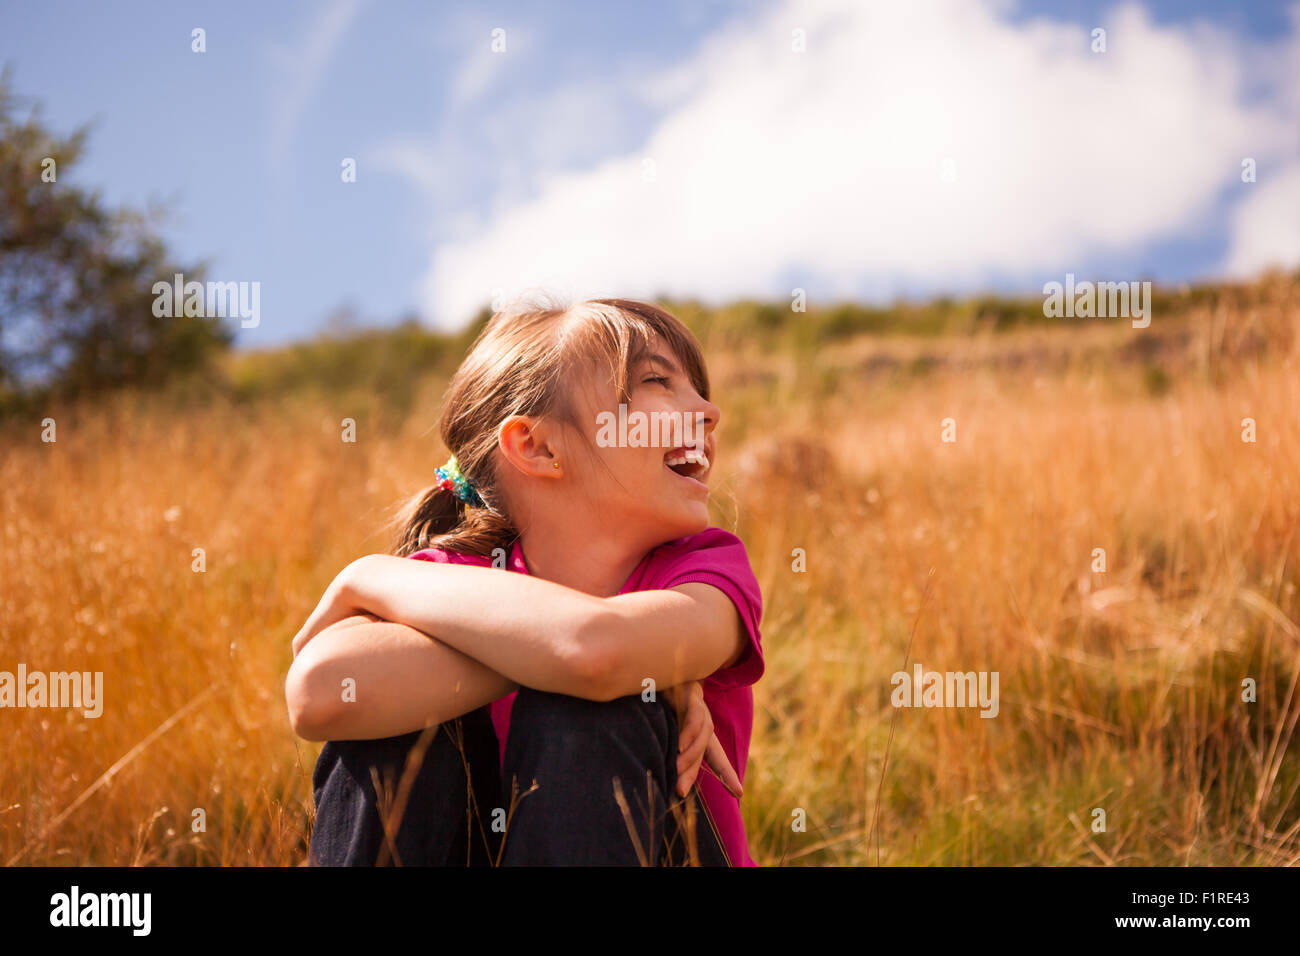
[534, 632]
[365, 679]
[549, 637]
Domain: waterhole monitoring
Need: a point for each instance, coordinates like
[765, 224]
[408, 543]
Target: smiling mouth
[690, 463]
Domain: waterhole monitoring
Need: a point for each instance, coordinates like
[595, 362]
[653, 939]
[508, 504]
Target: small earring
[555, 464]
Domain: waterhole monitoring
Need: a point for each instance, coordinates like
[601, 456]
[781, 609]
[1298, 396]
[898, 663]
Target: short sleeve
[444, 556]
[718, 558]
[431, 554]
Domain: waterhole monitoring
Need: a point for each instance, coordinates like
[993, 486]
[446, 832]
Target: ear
[528, 444]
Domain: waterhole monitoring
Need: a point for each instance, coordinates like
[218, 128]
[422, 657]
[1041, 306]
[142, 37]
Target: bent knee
[549, 714]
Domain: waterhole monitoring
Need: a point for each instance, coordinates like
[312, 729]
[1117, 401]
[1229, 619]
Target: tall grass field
[1107, 517]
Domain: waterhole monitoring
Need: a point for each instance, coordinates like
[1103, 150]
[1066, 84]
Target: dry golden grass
[1119, 690]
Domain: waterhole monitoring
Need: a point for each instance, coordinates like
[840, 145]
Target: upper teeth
[693, 455]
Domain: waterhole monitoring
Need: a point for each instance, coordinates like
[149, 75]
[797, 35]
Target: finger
[716, 760]
[692, 756]
[685, 782]
[688, 763]
[693, 726]
[300, 639]
[330, 610]
[306, 633]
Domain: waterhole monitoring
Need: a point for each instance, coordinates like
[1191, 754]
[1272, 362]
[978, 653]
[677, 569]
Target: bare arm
[679, 634]
[541, 634]
[404, 681]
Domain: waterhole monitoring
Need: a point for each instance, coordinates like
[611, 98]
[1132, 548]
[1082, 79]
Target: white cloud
[1264, 222]
[303, 67]
[483, 66]
[1265, 227]
[505, 149]
[832, 161]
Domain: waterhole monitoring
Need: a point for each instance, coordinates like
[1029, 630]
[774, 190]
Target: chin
[680, 523]
[695, 521]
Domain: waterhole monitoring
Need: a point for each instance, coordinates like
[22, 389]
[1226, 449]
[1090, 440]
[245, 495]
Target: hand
[339, 602]
[697, 742]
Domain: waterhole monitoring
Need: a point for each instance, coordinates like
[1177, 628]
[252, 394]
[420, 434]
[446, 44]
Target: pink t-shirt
[713, 557]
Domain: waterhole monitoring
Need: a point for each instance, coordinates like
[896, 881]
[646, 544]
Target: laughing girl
[573, 639]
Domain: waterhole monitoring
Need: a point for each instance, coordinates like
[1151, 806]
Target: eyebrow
[659, 359]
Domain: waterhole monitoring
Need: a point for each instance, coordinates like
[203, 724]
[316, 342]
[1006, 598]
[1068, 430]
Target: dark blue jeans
[450, 790]
[583, 783]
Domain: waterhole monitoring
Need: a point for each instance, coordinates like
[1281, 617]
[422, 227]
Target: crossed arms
[428, 642]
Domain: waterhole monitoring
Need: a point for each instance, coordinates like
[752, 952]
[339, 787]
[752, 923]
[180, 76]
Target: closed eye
[661, 379]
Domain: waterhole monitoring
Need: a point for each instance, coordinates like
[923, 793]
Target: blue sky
[679, 147]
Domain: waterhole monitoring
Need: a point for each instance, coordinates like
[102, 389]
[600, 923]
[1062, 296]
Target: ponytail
[436, 518]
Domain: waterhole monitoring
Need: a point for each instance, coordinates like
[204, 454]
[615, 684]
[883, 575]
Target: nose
[711, 414]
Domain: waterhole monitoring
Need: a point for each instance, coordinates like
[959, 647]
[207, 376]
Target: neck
[584, 559]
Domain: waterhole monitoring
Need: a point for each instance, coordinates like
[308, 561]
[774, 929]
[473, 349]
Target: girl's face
[650, 476]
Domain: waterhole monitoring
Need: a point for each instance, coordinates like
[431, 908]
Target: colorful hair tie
[451, 479]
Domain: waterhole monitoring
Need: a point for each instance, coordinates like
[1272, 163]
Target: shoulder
[712, 549]
[717, 558]
[713, 556]
[712, 541]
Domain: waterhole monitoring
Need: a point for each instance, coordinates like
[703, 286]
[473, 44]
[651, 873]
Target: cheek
[626, 470]
[641, 473]
[648, 465]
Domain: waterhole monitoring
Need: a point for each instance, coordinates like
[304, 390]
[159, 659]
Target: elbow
[310, 700]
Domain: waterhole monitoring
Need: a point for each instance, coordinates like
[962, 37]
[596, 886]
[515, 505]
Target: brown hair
[527, 361]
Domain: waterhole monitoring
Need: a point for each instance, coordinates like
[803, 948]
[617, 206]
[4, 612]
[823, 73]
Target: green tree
[76, 278]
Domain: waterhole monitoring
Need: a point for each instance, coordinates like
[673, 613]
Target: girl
[544, 690]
